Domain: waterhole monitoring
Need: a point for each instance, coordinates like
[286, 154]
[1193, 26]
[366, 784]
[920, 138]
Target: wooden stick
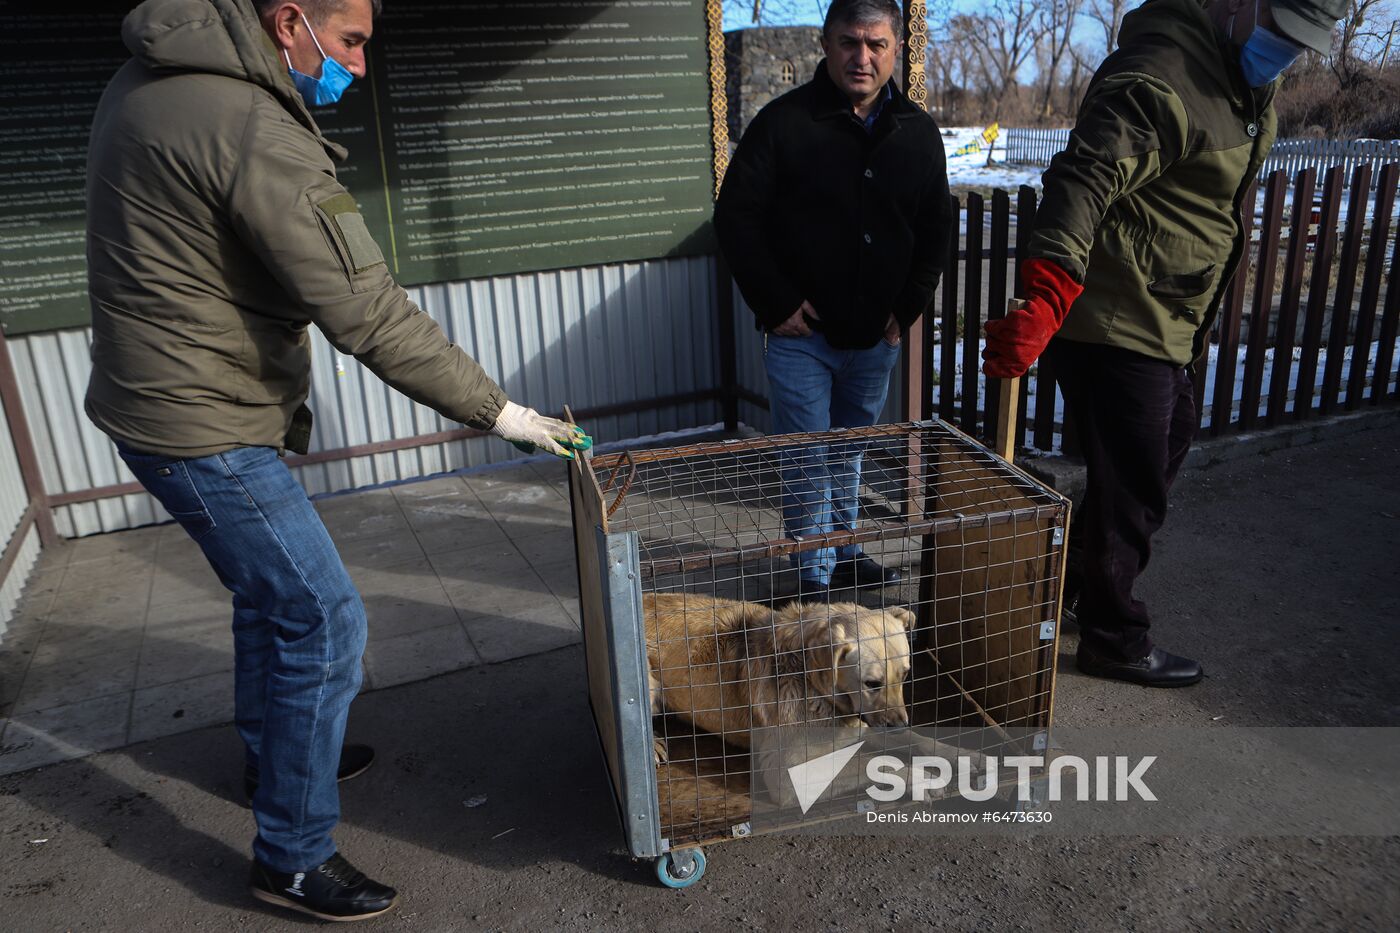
[986, 717]
[1008, 407]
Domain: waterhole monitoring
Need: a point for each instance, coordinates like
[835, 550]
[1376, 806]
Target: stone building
[764, 62]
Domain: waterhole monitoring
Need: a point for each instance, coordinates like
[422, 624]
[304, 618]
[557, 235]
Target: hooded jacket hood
[1185, 26]
[222, 37]
[1183, 23]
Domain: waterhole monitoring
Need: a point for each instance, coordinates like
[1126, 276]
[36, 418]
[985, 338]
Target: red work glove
[1017, 340]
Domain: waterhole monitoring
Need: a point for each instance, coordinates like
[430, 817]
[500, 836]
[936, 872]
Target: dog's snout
[891, 716]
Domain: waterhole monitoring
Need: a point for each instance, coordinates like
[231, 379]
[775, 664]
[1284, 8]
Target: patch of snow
[971, 170]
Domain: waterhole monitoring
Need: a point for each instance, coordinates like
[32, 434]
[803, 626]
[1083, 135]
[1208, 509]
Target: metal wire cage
[678, 547]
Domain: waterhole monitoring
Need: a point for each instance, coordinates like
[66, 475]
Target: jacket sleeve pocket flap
[360, 248]
[364, 252]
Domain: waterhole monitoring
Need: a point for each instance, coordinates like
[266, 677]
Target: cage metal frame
[611, 587]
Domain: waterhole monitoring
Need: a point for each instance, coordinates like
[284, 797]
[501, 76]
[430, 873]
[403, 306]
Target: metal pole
[24, 448]
[728, 344]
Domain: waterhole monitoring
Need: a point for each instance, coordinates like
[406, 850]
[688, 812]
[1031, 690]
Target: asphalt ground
[1281, 571]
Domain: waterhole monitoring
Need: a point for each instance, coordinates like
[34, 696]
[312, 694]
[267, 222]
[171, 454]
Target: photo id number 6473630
[1019, 816]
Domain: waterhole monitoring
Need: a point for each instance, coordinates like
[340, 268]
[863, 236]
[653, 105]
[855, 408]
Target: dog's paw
[660, 752]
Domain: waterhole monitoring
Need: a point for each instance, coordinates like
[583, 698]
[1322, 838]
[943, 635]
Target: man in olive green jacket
[1135, 242]
[217, 234]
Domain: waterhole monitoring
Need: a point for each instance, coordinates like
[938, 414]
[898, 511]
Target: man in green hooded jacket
[217, 234]
[1135, 242]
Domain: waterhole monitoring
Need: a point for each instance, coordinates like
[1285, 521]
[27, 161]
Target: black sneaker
[333, 890]
[354, 761]
[812, 591]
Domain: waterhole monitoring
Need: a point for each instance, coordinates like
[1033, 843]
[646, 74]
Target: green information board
[53, 67]
[489, 138]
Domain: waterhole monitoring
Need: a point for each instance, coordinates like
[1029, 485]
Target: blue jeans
[298, 634]
[814, 387]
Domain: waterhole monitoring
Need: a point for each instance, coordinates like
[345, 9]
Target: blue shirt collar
[878, 109]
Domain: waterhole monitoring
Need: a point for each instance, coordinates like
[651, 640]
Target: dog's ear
[829, 643]
[823, 664]
[789, 628]
[909, 619]
[840, 652]
[821, 671]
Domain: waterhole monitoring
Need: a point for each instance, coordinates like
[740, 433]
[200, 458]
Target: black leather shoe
[862, 571]
[354, 761]
[333, 890]
[1158, 669]
[808, 591]
[1069, 611]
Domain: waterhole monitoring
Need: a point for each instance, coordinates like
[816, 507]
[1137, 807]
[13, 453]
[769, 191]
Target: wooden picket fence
[1034, 147]
[1306, 351]
[1294, 155]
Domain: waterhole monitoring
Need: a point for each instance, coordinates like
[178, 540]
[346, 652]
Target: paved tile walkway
[123, 637]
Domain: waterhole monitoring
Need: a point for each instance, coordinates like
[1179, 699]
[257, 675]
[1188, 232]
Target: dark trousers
[1136, 417]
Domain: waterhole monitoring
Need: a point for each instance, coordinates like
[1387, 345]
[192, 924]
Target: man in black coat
[835, 217]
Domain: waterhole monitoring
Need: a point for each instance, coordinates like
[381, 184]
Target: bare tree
[773, 12]
[1055, 22]
[966, 58]
[1081, 69]
[953, 64]
[1389, 39]
[1109, 15]
[1004, 38]
[941, 69]
[1360, 40]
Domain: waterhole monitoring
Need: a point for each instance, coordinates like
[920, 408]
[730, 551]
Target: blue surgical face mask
[318, 92]
[1265, 54]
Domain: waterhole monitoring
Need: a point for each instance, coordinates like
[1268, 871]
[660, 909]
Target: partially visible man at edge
[1135, 242]
[217, 232]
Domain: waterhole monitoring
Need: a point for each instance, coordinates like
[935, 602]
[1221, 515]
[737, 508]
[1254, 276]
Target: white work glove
[529, 430]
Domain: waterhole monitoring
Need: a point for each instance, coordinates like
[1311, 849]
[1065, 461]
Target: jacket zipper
[1241, 242]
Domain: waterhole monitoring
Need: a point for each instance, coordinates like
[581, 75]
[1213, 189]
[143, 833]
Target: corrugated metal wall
[584, 337]
[19, 573]
[13, 501]
[749, 346]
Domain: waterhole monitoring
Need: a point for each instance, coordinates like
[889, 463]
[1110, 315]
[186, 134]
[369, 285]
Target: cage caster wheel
[680, 868]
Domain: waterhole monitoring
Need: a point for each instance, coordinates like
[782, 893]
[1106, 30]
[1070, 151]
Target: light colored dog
[729, 667]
